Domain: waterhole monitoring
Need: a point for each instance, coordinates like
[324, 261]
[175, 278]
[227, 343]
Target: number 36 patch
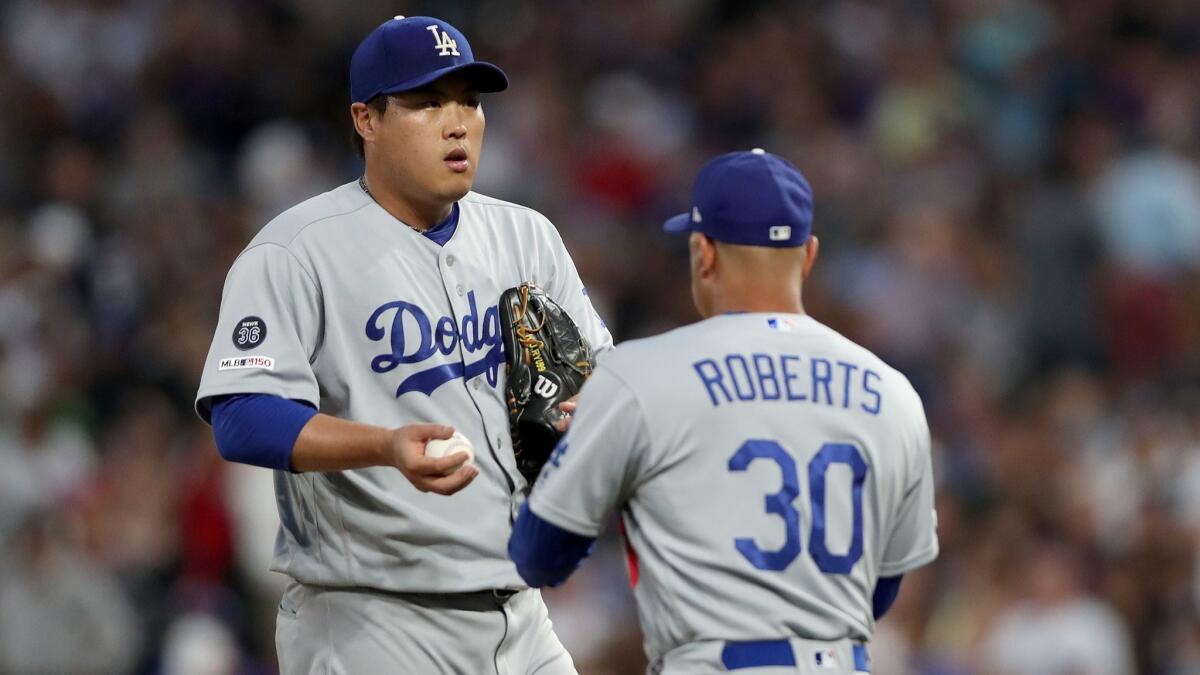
[249, 333]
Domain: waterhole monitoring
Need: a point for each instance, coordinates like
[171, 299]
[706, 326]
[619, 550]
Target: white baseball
[456, 443]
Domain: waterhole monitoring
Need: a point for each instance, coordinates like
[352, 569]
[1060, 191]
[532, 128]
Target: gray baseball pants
[357, 631]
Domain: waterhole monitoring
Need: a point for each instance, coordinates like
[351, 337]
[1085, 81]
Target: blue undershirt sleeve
[545, 554]
[886, 590]
[259, 429]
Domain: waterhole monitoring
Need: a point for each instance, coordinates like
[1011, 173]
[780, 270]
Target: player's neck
[416, 215]
[736, 303]
[754, 293]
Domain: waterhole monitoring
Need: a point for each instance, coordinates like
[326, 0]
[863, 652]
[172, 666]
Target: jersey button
[450, 261]
[459, 289]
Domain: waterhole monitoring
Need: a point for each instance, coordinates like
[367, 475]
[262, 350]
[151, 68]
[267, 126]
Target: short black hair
[379, 104]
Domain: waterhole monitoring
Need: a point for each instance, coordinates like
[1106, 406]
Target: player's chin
[456, 186]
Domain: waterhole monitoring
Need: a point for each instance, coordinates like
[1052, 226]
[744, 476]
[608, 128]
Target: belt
[762, 653]
[472, 601]
[479, 601]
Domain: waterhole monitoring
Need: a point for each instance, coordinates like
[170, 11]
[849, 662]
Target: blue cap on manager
[752, 198]
[409, 52]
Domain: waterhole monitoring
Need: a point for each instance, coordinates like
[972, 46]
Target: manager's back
[776, 471]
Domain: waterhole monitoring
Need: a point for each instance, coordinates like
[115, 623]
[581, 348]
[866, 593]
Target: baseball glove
[547, 361]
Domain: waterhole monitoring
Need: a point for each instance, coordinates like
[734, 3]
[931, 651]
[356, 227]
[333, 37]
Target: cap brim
[488, 78]
[679, 223]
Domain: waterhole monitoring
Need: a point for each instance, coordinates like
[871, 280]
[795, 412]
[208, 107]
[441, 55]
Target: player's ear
[364, 121]
[811, 248]
[703, 254]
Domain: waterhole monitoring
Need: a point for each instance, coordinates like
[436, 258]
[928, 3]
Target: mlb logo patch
[782, 324]
[825, 658]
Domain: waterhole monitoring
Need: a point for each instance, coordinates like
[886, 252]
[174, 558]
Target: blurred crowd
[1007, 194]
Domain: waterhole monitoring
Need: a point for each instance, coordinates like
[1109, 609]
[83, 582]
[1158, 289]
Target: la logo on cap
[446, 45]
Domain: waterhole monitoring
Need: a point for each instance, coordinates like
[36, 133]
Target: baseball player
[772, 477]
[360, 325]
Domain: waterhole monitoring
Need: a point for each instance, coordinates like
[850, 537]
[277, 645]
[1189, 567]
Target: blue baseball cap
[409, 52]
[753, 198]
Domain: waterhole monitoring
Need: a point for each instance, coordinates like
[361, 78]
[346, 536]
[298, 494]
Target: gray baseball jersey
[767, 470]
[338, 304]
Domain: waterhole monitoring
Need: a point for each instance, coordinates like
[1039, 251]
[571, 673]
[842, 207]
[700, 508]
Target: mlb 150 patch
[241, 362]
[249, 333]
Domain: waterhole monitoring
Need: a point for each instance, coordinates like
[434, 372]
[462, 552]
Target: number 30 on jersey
[782, 504]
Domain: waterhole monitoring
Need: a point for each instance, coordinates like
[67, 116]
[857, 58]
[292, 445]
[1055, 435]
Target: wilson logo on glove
[545, 388]
[545, 355]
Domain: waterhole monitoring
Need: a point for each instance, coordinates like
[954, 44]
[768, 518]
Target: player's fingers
[428, 432]
[438, 466]
[448, 485]
[568, 408]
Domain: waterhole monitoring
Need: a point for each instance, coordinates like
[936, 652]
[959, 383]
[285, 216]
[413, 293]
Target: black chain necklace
[362, 183]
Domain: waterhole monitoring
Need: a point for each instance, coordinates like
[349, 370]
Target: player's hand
[568, 407]
[443, 475]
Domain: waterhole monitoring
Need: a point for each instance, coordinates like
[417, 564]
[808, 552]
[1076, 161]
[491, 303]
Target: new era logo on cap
[753, 198]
